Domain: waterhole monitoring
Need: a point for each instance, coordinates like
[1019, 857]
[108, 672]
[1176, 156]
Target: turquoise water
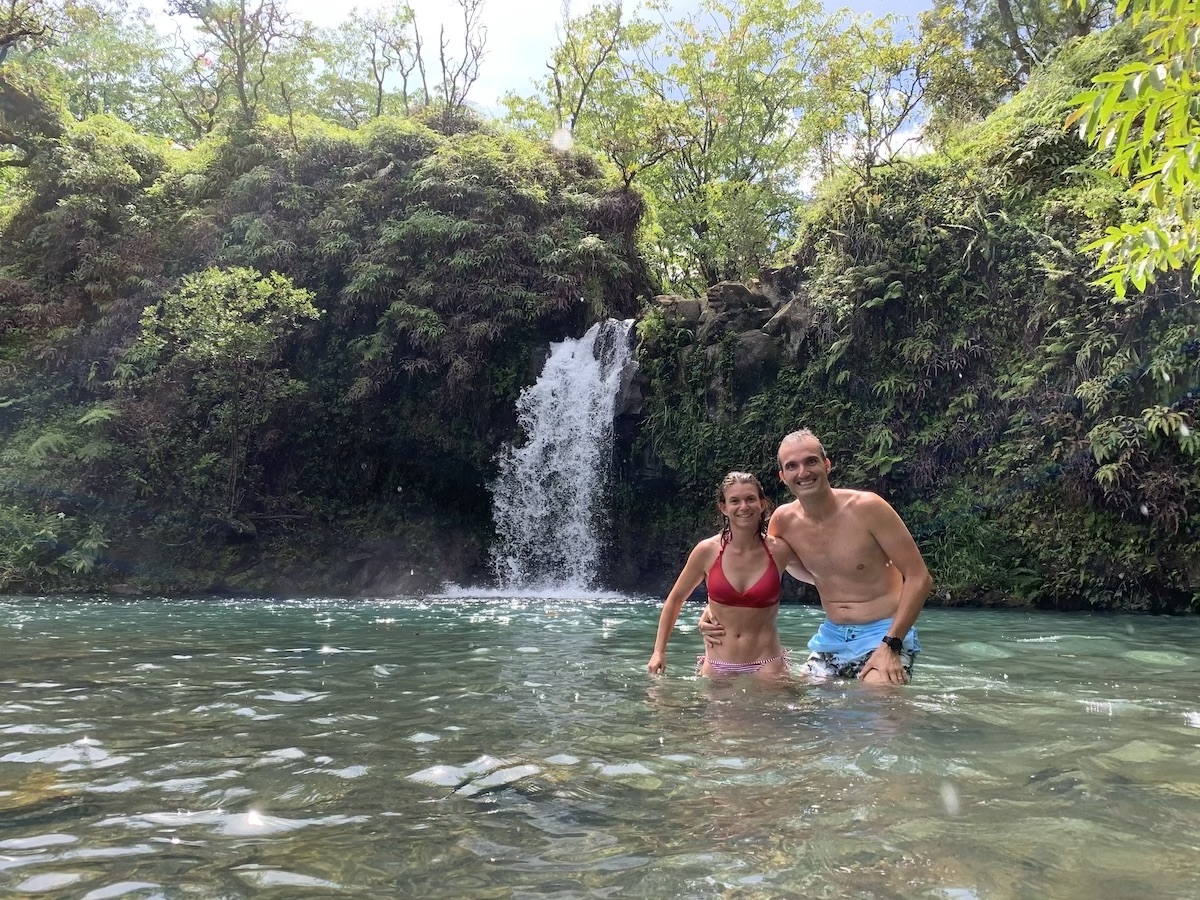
[492, 747]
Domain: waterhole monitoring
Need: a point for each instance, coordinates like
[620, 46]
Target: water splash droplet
[562, 140]
[950, 799]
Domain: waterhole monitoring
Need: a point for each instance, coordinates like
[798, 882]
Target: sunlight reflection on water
[461, 745]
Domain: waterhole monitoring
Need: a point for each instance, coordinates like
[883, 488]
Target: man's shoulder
[867, 506]
[787, 510]
[855, 497]
[864, 505]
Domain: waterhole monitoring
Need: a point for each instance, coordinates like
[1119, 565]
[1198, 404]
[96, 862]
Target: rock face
[679, 310]
[731, 307]
[746, 325]
[756, 358]
[741, 336]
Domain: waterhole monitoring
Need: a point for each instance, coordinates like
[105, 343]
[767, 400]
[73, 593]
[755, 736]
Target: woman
[742, 568]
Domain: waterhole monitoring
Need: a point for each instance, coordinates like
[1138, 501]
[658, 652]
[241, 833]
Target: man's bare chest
[840, 546]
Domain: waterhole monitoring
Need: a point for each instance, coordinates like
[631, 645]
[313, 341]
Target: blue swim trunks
[841, 651]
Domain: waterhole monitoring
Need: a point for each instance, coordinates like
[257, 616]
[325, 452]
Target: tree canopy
[259, 280]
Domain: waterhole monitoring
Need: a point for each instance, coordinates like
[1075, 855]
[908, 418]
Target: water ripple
[209, 748]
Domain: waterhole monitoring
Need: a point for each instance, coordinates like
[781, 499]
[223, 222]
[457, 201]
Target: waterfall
[548, 498]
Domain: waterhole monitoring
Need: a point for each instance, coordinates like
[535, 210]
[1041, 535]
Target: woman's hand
[712, 630]
[657, 664]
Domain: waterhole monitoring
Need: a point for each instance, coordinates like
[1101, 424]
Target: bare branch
[246, 34]
[21, 20]
[459, 75]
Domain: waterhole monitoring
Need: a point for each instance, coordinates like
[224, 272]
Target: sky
[521, 33]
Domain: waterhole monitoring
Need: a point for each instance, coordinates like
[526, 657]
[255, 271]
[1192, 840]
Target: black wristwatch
[894, 644]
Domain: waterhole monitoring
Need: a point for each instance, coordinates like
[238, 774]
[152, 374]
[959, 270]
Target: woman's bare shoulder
[706, 551]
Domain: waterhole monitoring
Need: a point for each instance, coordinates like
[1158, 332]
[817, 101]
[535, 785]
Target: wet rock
[732, 296]
[731, 307]
[756, 359]
[1142, 752]
[680, 310]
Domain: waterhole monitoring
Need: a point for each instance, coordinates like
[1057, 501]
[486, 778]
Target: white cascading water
[547, 498]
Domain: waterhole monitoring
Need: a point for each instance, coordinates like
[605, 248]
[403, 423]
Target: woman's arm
[698, 563]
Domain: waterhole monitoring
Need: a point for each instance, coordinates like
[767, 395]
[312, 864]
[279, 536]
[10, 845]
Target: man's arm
[894, 538]
[795, 566]
[710, 629]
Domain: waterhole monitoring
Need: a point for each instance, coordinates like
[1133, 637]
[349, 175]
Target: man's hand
[712, 630]
[884, 667]
[657, 664]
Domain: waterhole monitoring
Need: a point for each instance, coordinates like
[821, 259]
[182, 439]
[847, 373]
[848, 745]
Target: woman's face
[742, 503]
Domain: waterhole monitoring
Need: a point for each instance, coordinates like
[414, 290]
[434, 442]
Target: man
[864, 563]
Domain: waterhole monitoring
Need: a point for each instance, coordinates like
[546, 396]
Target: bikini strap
[767, 547]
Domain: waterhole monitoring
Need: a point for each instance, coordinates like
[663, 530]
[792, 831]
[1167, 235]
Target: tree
[103, 58]
[1001, 42]
[586, 46]
[873, 85]
[595, 94]
[705, 113]
[242, 37]
[1145, 114]
[1032, 29]
[23, 21]
[459, 74]
[27, 118]
[965, 84]
[193, 84]
[227, 326]
[363, 57]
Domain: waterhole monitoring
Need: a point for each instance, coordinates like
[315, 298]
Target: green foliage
[50, 536]
[1006, 42]
[870, 87]
[103, 61]
[82, 230]
[704, 113]
[1037, 434]
[968, 78]
[367, 57]
[39, 548]
[1145, 115]
[228, 320]
[223, 328]
[198, 401]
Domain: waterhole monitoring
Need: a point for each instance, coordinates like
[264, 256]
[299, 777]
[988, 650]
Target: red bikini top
[764, 592]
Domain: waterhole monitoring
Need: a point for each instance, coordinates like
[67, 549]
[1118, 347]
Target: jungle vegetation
[269, 291]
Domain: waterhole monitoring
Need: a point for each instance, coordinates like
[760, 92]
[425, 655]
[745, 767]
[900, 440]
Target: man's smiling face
[803, 466]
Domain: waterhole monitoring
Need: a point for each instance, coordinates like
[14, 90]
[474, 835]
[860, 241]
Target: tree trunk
[1020, 51]
[25, 121]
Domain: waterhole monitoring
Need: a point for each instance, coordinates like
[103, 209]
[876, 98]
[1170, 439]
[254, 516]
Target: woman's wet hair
[743, 478]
